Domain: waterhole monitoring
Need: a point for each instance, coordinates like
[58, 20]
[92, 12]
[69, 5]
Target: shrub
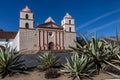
[10, 62]
[47, 60]
[51, 73]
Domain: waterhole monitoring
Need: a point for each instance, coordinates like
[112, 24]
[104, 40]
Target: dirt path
[36, 75]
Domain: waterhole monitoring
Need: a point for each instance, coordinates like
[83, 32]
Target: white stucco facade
[16, 42]
[4, 43]
[45, 36]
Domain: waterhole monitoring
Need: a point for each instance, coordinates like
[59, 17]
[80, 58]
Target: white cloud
[98, 18]
[104, 26]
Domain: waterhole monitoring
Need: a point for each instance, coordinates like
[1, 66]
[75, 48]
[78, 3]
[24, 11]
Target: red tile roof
[26, 9]
[7, 35]
[68, 16]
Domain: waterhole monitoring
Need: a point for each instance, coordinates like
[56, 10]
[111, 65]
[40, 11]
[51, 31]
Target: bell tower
[68, 23]
[26, 18]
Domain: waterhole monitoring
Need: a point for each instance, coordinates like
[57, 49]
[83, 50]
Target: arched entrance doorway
[51, 46]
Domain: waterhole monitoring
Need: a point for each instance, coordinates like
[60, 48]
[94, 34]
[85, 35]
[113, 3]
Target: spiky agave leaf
[47, 60]
[117, 67]
[116, 77]
[99, 50]
[10, 62]
[117, 35]
[85, 39]
[77, 67]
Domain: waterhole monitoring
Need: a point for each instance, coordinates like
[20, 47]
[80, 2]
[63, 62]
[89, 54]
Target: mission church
[46, 36]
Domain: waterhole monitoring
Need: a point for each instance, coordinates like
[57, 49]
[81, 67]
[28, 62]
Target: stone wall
[69, 38]
[28, 39]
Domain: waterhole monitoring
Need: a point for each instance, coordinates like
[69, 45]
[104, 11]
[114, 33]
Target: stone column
[39, 41]
[43, 41]
[47, 40]
[59, 41]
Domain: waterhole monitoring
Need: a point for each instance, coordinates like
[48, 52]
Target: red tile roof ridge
[7, 34]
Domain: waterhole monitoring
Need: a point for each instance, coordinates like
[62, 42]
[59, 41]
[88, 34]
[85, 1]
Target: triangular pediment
[50, 25]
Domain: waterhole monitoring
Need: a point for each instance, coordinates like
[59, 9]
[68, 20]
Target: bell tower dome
[68, 23]
[26, 18]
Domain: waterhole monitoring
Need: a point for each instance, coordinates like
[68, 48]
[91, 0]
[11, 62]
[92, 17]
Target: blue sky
[90, 15]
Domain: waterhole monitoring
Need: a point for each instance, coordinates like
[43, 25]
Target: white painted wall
[3, 42]
[66, 21]
[22, 15]
[66, 25]
[23, 22]
[15, 43]
[23, 19]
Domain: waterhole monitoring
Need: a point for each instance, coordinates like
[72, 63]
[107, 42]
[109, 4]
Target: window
[69, 29]
[26, 16]
[26, 25]
[69, 21]
[7, 40]
[50, 33]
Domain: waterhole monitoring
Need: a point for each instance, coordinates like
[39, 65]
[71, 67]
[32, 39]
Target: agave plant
[114, 49]
[115, 62]
[78, 67]
[82, 48]
[47, 60]
[99, 50]
[115, 66]
[10, 62]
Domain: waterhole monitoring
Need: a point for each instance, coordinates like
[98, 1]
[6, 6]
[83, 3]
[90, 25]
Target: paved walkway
[31, 59]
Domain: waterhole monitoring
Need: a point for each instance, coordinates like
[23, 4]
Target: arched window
[69, 21]
[50, 33]
[69, 29]
[26, 25]
[26, 16]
